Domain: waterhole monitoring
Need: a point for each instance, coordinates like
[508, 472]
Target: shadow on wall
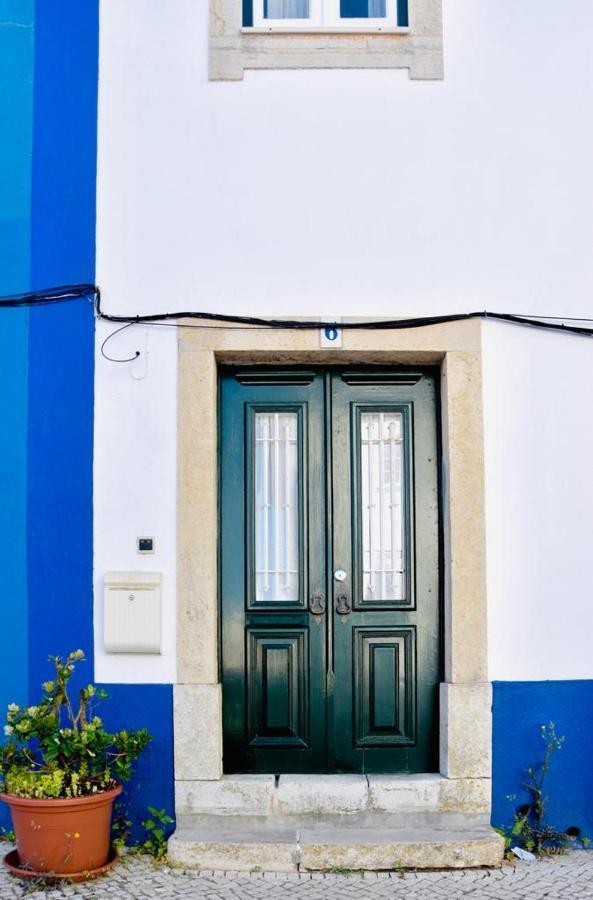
[519, 711]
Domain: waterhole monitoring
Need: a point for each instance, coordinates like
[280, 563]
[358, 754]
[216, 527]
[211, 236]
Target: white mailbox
[132, 612]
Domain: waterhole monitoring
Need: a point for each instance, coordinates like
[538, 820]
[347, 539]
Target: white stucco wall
[539, 491]
[342, 190]
[360, 192]
[135, 483]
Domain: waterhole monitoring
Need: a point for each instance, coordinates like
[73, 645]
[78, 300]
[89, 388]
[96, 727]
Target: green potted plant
[61, 771]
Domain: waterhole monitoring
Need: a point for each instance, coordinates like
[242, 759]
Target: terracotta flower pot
[63, 836]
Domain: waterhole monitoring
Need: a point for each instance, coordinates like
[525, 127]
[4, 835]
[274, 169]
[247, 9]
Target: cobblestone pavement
[137, 877]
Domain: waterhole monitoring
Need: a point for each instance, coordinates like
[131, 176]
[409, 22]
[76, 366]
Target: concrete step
[288, 795]
[360, 841]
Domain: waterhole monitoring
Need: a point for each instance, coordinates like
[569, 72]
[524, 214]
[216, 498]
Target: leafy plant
[156, 826]
[530, 830]
[55, 750]
[121, 825]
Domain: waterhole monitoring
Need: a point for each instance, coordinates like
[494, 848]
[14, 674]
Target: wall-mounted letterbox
[132, 612]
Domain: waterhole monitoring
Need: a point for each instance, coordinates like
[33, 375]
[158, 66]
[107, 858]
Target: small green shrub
[56, 751]
[156, 827]
[121, 825]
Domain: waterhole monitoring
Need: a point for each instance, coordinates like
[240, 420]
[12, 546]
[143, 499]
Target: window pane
[286, 9]
[276, 507]
[382, 505]
[363, 9]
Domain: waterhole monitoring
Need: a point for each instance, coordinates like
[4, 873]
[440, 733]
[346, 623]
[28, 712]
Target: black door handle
[317, 603]
[343, 605]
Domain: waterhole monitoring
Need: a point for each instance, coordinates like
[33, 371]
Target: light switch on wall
[145, 545]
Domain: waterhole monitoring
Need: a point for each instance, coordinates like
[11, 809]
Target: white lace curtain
[299, 9]
[287, 9]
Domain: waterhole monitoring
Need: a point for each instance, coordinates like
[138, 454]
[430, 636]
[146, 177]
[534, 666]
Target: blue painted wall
[132, 706]
[48, 100]
[61, 338]
[16, 127]
[519, 711]
[16, 137]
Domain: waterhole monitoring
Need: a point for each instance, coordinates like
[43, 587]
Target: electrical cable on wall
[225, 321]
[112, 335]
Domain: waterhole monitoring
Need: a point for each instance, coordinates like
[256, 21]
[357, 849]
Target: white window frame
[324, 16]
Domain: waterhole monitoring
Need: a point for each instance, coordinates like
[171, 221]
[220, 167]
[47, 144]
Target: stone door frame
[465, 694]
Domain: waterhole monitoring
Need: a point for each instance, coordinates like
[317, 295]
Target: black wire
[108, 338]
[51, 295]
[73, 292]
[372, 325]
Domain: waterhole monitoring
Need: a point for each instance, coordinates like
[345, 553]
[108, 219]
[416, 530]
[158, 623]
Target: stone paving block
[557, 879]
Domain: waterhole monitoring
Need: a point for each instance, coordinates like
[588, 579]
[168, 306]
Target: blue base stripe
[132, 706]
[519, 711]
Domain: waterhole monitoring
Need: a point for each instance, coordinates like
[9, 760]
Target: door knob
[317, 603]
[340, 575]
[343, 605]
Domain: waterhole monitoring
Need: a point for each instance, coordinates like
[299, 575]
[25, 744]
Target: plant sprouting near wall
[59, 749]
[156, 827]
[530, 830]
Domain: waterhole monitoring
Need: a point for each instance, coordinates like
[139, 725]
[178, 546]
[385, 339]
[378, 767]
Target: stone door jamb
[465, 694]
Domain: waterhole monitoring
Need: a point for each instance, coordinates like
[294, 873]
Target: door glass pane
[276, 507]
[363, 9]
[382, 505]
[286, 9]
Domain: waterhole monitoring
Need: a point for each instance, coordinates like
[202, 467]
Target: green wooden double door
[329, 552]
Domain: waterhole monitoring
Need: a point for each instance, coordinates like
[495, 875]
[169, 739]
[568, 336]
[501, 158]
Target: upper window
[325, 34]
[338, 15]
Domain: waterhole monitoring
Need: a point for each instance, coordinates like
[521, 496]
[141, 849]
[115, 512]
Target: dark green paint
[333, 683]
[402, 13]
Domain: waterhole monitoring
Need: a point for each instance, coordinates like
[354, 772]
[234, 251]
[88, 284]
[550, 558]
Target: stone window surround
[418, 48]
[465, 694]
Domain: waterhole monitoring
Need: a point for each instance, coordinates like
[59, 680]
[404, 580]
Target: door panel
[386, 538]
[323, 472]
[384, 677]
[272, 556]
[277, 682]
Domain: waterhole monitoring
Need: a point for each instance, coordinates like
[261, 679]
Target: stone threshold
[302, 795]
[362, 841]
